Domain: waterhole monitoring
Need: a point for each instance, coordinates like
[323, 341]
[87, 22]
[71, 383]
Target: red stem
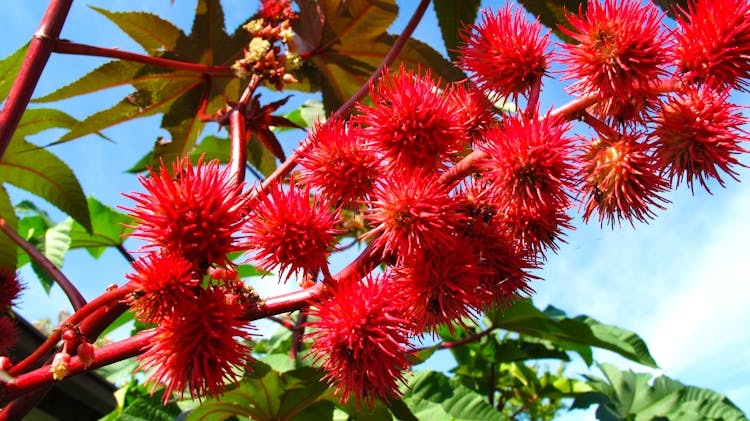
[67, 47]
[40, 48]
[238, 130]
[41, 377]
[74, 296]
[344, 109]
[99, 302]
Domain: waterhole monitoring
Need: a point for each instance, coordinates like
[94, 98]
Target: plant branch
[74, 296]
[41, 377]
[238, 130]
[463, 341]
[96, 304]
[345, 108]
[129, 257]
[298, 333]
[40, 49]
[67, 47]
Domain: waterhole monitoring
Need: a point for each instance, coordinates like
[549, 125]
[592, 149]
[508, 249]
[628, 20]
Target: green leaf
[153, 33]
[266, 394]
[39, 172]
[108, 75]
[156, 96]
[54, 246]
[36, 120]
[109, 229]
[260, 157]
[637, 396]
[433, 396]
[554, 326]
[552, 13]
[453, 16]
[309, 113]
[8, 248]
[339, 63]
[9, 68]
[149, 408]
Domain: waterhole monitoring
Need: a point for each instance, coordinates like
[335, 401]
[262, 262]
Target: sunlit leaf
[109, 228]
[36, 120]
[8, 248]
[341, 65]
[153, 33]
[626, 395]
[309, 113]
[434, 396]
[38, 171]
[9, 68]
[453, 16]
[553, 325]
[266, 394]
[55, 245]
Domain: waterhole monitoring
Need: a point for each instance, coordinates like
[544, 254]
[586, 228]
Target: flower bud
[59, 367]
[86, 354]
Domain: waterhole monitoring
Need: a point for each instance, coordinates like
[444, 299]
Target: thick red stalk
[40, 48]
[238, 131]
[344, 109]
[109, 297]
[67, 47]
[41, 377]
[74, 296]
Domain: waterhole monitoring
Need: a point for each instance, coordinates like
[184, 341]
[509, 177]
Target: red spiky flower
[339, 163]
[441, 286]
[199, 348]
[276, 10]
[290, 231]
[505, 52]
[529, 161]
[621, 180]
[412, 122]
[361, 336]
[10, 288]
[698, 134]
[164, 281]
[197, 211]
[621, 51]
[477, 113]
[412, 210]
[713, 42]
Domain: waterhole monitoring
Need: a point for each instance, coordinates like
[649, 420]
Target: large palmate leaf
[553, 325]
[625, 395]
[38, 171]
[552, 13]
[453, 16]
[333, 34]
[178, 95]
[434, 396]
[266, 394]
[9, 67]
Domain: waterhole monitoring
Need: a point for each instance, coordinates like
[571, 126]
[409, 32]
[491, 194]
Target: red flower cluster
[620, 54]
[200, 347]
[197, 211]
[290, 231]
[361, 335]
[505, 53]
[412, 123]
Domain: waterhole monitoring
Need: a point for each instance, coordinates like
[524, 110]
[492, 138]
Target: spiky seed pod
[361, 338]
[196, 210]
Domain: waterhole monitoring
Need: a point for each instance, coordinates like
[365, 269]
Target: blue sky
[681, 281]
